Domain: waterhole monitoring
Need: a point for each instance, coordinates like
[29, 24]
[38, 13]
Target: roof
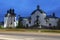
[49, 16]
[38, 9]
[11, 12]
[25, 17]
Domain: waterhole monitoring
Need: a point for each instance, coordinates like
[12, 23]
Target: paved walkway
[34, 33]
[26, 36]
[10, 37]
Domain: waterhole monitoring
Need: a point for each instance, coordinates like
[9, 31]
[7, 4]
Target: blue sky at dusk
[25, 7]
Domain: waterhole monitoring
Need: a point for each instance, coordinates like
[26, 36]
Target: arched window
[37, 16]
[37, 21]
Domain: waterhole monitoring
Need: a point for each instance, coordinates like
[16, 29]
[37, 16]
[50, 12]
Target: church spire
[7, 11]
[38, 7]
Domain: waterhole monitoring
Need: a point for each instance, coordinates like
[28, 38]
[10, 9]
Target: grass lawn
[51, 31]
[19, 30]
[30, 30]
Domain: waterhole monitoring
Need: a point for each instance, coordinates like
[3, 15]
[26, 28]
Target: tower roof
[11, 12]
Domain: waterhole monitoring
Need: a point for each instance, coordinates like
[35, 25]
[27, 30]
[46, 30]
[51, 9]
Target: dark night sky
[25, 7]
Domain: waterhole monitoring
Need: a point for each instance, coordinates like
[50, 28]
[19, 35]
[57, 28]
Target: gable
[38, 9]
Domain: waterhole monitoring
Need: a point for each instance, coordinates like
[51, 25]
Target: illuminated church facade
[38, 19]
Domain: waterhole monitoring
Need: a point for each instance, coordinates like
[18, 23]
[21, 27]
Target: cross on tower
[38, 7]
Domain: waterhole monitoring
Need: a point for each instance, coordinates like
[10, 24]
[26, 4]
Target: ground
[29, 36]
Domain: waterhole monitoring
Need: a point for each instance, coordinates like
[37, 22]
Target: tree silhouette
[20, 25]
[58, 24]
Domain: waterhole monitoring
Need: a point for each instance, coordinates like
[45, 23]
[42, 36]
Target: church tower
[10, 19]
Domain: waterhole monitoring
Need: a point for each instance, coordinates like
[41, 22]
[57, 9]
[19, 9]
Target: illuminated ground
[15, 36]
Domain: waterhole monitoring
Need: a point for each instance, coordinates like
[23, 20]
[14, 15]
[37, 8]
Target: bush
[20, 25]
[1, 27]
[54, 31]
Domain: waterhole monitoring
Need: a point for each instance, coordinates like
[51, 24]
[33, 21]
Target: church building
[39, 19]
[10, 19]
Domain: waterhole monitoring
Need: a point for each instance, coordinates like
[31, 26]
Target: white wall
[25, 22]
[53, 22]
[41, 18]
[7, 22]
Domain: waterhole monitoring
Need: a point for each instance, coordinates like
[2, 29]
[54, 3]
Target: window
[46, 20]
[14, 20]
[50, 24]
[11, 22]
[26, 25]
[37, 16]
[29, 19]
